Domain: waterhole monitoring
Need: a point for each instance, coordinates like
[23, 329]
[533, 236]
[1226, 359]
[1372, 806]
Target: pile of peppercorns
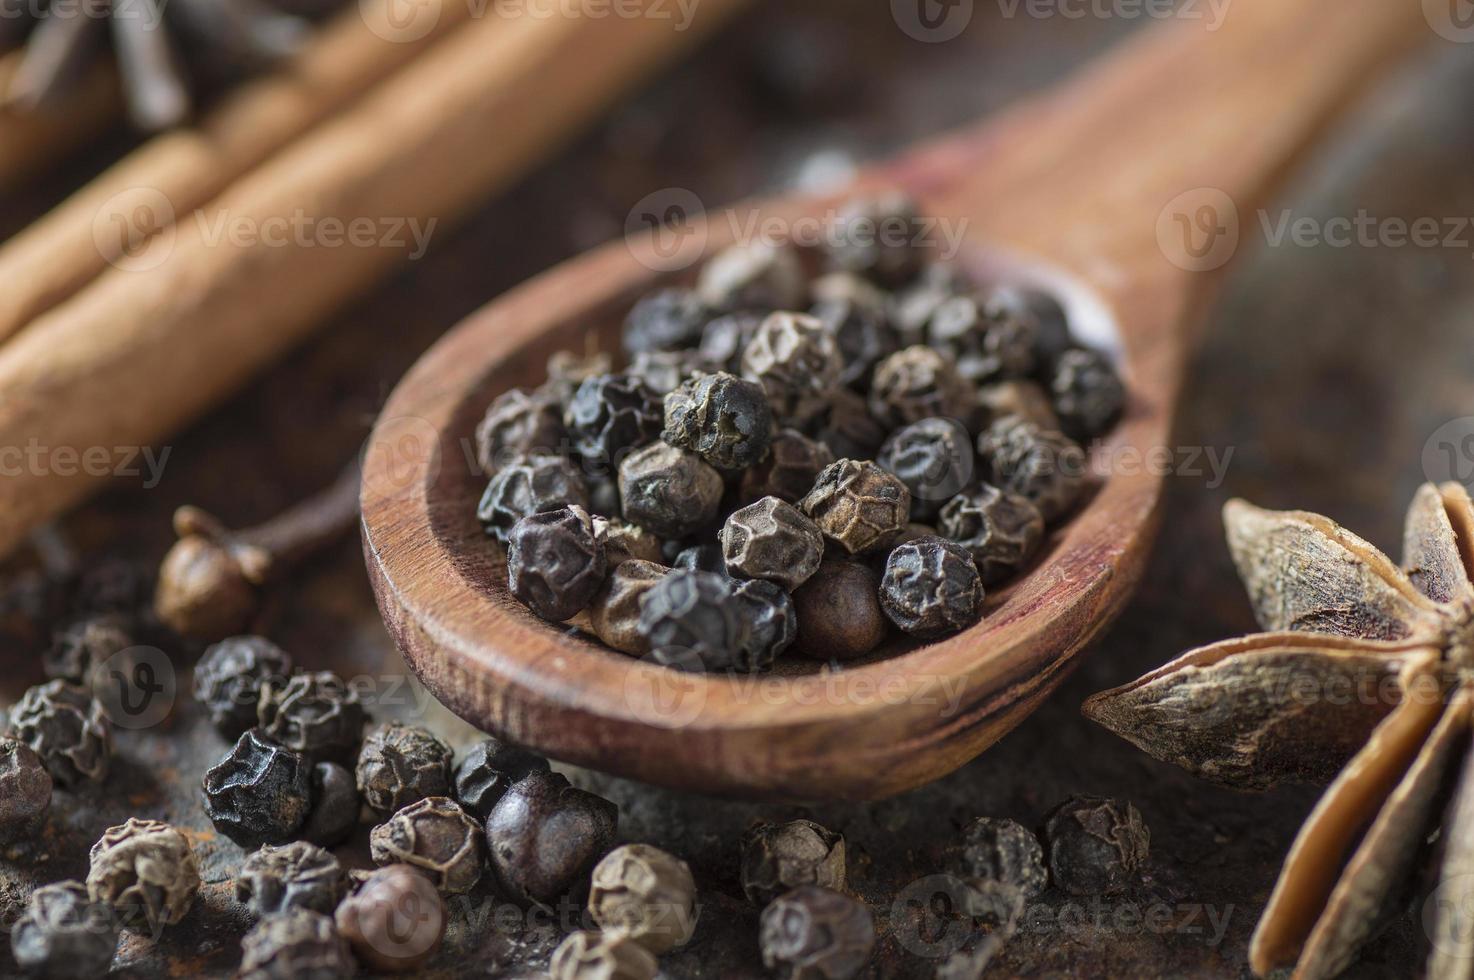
[789, 461]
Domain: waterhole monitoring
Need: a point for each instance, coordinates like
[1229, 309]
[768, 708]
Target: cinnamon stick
[137, 354]
[31, 140]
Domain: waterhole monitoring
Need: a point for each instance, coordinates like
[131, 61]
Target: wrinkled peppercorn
[229, 677]
[145, 871]
[64, 725]
[259, 793]
[701, 558]
[1000, 530]
[858, 505]
[1096, 846]
[757, 276]
[796, 362]
[63, 934]
[395, 921]
[316, 714]
[934, 458]
[402, 764]
[1044, 467]
[668, 319]
[693, 623]
[778, 857]
[488, 768]
[772, 540]
[670, 491]
[646, 894]
[555, 562]
[812, 933]
[877, 237]
[726, 337]
[1051, 324]
[529, 486]
[76, 650]
[772, 623]
[919, 383]
[1088, 394]
[296, 944]
[519, 423]
[436, 836]
[854, 313]
[335, 806]
[298, 875]
[25, 789]
[545, 836]
[839, 614]
[611, 415]
[845, 426]
[793, 463]
[722, 418]
[931, 588]
[665, 371]
[1026, 399]
[1005, 851]
[614, 614]
[986, 343]
[624, 541]
[601, 956]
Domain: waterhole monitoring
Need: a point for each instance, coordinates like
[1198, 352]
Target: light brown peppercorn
[839, 615]
[669, 491]
[601, 956]
[919, 383]
[778, 857]
[646, 894]
[624, 542]
[296, 944]
[615, 612]
[555, 562]
[1044, 467]
[1026, 399]
[858, 505]
[146, 872]
[519, 423]
[795, 360]
[812, 933]
[793, 464]
[1001, 530]
[395, 921]
[296, 875]
[772, 540]
[400, 764]
[755, 276]
[437, 836]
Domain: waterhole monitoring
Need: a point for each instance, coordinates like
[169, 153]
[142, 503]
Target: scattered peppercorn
[1000, 530]
[1096, 846]
[25, 789]
[839, 614]
[298, 943]
[259, 793]
[76, 650]
[519, 423]
[487, 769]
[64, 934]
[812, 933]
[555, 562]
[146, 872]
[692, 621]
[934, 458]
[316, 714]
[771, 620]
[229, 677]
[335, 806]
[986, 343]
[931, 588]
[877, 237]
[601, 956]
[297, 875]
[64, 725]
[1016, 397]
[395, 921]
[778, 857]
[545, 836]
[1005, 851]
[793, 463]
[1044, 467]
[919, 383]
[757, 276]
[796, 362]
[1088, 394]
[858, 505]
[772, 540]
[436, 836]
[666, 320]
[646, 894]
[722, 418]
[669, 491]
[402, 764]
[611, 415]
[529, 486]
[614, 613]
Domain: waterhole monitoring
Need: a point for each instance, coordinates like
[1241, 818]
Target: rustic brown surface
[1325, 369]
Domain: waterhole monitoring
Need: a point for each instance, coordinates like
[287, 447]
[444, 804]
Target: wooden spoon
[1123, 189]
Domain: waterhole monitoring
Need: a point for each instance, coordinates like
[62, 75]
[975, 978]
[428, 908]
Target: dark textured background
[1324, 369]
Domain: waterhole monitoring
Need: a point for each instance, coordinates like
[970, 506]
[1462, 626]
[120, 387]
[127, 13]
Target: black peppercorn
[316, 714]
[701, 558]
[1025, 399]
[1096, 846]
[518, 424]
[839, 614]
[780, 857]
[722, 418]
[64, 725]
[931, 588]
[555, 562]
[567, 370]
[756, 276]
[298, 875]
[229, 677]
[646, 894]
[793, 463]
[772, 540]
[529, 486]
[858, 505]
[298, 943]
[1088, 394]
[843, 425]
[692, 622]
[919, 383]
[402, 764]
[668, 319]
[796, 362]
[1000, 530]
[487, 769]
[726, 337]
[854, 313]
[259, 793]
[614, 614]
[1007, 852]
[911, 307]
[601, 956]
[395, 921]
[1045, 468]
[986, 343]
[772, 623]
[335, 806]
[436, 836]
[83, 645]
[25, 789]
[666, 370]
[545, 836]
[146, 872]
[879, 237]
[624, 541]
[669, 491]
[812, 933]
[1051, 323]
[114, 586]
[934, 458]
[612, 414]
[63, 934]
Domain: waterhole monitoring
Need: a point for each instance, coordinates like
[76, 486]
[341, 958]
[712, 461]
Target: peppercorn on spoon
[1119, 190]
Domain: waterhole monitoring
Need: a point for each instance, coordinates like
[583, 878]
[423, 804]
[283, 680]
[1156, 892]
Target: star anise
[164, 48]
[1365, 674]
